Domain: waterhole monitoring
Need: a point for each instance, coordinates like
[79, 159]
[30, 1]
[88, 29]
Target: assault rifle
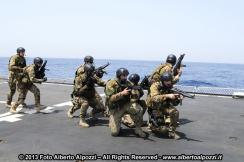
[184, 94]
[178, 64]
[40, 74]
[100, 70]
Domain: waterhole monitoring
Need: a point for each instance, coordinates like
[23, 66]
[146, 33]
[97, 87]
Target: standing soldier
[167, 67]
[79, 71]
[118, 100]
[85, 95]
[16, 65]
[26, 82]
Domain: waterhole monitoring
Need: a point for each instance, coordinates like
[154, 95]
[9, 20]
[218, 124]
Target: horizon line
[132, 60]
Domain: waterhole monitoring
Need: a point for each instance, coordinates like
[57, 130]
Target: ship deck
[208, 125]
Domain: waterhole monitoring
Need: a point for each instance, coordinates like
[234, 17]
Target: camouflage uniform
[85, 95]
[135, 99]
[120, 105]
[160, 106]
[155, 77]
[80, 70]
[15, 67]
[75, 106]
[25, 83]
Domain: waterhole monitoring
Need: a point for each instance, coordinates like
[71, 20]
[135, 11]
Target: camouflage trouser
[83, 103]
[170, 115]
[12, 86]
[127, 120]
[23, 89]
[133, 109]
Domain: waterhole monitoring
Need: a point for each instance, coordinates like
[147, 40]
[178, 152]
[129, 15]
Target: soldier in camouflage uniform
[26, 82]
[167, 67]
[135, 99]
[119, 103]
[16, 65]
[79, 71]
[161, 101]
[85, 95]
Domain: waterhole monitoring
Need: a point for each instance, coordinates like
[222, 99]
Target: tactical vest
[20, 62]
[25, 77]
[155, 77]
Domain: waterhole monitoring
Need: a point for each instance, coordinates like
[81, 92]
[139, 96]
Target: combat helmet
[122, 71]
[134, 78]
[88, 59]
[20, 49]
[171, 59]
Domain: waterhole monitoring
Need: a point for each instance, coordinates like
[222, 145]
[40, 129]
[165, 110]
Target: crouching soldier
[135, 99]
[118, 101]
[26, 83]
[85, 95]
[163, 116]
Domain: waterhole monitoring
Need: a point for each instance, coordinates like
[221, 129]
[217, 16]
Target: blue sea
[194, 74]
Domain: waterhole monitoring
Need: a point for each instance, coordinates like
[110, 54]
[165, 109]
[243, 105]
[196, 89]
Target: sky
[205, 30]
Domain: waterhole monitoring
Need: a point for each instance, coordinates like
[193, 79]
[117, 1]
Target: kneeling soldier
[118, 101]
[135, 99]
[161, 102]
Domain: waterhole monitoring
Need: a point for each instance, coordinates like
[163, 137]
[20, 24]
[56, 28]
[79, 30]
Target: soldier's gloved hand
[44, 79]
[171, 96]
[104, 85]
[181, 97]
[125, 92]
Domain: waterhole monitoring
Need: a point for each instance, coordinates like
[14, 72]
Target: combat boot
[172, 134]
[39, 108]
[93, 116]
[139, 132]
[23, 105]
[83, 123]
[70, 113]
[13, 109]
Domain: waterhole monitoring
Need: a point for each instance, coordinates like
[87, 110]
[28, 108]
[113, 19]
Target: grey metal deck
[209, 125]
